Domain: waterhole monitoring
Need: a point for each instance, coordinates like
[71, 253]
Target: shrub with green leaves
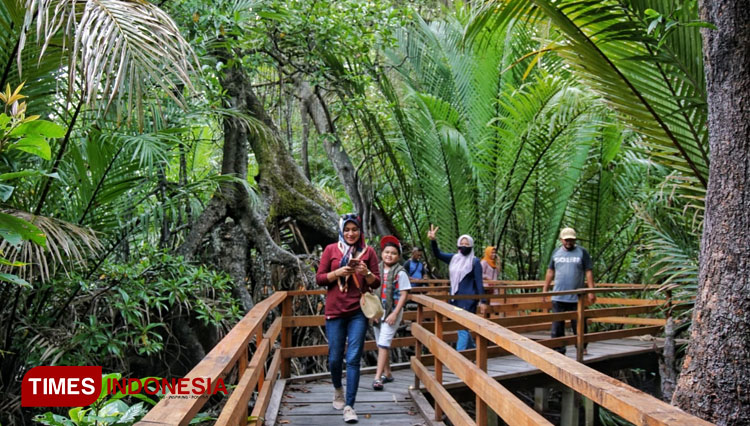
[131, 310]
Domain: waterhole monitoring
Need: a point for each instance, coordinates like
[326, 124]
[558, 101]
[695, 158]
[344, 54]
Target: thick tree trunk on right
[715, 380]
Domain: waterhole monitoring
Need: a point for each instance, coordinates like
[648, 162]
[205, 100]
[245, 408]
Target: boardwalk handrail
[622, 399]
[230, 352]
[519, 313]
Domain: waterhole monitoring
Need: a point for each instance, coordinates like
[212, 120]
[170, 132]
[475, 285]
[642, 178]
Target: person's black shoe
[386, 379]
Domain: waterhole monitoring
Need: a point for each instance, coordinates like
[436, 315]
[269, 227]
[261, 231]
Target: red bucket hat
[390, 239]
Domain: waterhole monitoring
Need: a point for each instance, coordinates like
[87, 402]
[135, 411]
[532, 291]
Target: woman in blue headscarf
[465, 272]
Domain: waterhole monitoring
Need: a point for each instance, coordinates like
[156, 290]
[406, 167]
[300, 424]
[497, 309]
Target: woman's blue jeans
[346, 333]
[464, 341]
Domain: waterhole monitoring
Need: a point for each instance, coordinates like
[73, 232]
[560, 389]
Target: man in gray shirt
[568, 266]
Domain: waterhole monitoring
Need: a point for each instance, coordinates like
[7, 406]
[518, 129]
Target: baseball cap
[568, 234]
[390, 239]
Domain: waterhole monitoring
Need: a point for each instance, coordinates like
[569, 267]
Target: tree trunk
[667, 363]
[359, 193]
[715, 380]
[285, 192]
[305, 142]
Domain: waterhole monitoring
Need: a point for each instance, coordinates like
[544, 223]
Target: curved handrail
[229, 352]
[624, 400]
[232, 351]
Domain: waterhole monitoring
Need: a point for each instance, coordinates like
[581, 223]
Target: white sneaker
[350, 416]
[338, 398]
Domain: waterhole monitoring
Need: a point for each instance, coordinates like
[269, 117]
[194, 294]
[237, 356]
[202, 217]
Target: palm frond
[654, 86]
[67, 246]
[118, 49]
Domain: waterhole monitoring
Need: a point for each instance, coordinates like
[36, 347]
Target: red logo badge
[61, 386]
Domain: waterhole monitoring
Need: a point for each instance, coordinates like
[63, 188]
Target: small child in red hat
[396, 286]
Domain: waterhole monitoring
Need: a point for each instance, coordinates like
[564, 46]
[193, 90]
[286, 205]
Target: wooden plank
[528, 328]
[424, 407]
[306, 292]
[264, 396]
[626, 401]
[510, 367]
[438, 366]
[412, 316]
[241, 370]
[273, 331]
[628, 302]
[450, 407]
[216, 364]
[258, 340]
[631, 320]
[319, 350]
[364, 370]
[304, 321]
[618, 312]
[533, 319]
[365, 419]
[481, 406]
[236, 407]
[533, 284]
[621, 334]
[578, 292]
[502, 401]
[273, 406]
[520, 306]
[631, 285]
[378, 407]
[286, 337]
[418, 345]
[325, 395]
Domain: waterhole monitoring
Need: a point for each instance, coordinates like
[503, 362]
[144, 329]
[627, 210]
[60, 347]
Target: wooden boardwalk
[309, 402]
[264, 392]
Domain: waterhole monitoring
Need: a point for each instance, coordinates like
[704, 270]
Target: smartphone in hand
[353, 263]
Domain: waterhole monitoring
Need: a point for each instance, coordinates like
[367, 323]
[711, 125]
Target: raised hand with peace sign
[433, 230]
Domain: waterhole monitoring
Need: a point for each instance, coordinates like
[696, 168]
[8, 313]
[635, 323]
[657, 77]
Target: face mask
[464, 250]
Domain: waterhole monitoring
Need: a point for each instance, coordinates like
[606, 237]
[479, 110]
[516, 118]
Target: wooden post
[241, 370]
[503, 302]
[418, 344]
[286, 336]
[580, 327]
[481, 406]
[569, 412]
[241, 364]
[541, 399]
[258, 341]
[589, 409]
[438, 364]
[492, 418]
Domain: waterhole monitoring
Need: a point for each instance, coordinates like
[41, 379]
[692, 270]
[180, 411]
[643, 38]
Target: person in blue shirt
[414, 266]
[465, 272]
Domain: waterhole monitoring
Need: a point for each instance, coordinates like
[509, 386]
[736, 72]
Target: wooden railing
[520, 309]
[626, 401]
[232, 353]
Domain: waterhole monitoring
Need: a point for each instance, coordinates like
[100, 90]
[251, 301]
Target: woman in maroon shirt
[346, 269]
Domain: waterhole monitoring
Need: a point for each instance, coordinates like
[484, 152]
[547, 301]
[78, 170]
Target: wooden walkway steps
[307, 401]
